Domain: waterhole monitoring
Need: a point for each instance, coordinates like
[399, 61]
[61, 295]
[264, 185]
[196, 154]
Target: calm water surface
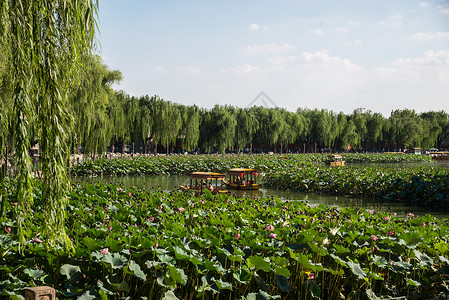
[169, 183]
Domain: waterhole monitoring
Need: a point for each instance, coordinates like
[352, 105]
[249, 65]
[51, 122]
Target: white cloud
[254, 26]
[444, 9]
[354, 23]
[317, 31]
[424, 4]
[392, 21]
[190, 69]
[427, 36]
[341, 30]
[354, 43]
[268, 49]
[327, 61]
[246, 68]
[159, 69]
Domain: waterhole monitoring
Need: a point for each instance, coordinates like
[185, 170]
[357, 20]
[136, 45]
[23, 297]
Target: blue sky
[339, 55]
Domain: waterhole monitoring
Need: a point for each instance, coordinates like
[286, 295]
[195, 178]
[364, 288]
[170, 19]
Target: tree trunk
[155, 149]
[144, 147]
[123, 146]
[168, 148]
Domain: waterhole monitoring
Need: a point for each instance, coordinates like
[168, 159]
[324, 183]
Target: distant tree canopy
[118, 119]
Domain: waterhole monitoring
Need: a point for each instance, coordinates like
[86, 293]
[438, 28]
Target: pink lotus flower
[120, 189]
[410, 215]
[237, 236]
[374, 238]
[390, 233]
[37, 240]
[423, 224]
[8, 230]
[273, 235]
[386, 218]
[312, 220]
[105, 251]
[395, 214]
[110, 227]
[15, 203]
[202, 201]
[311, 276]
[192, 205]
[181, 209]
[151, 219]
[159, 207]
[156, 245]
[270, 227]
[129, 194]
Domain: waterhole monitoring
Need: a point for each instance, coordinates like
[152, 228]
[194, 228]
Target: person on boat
[210, 187]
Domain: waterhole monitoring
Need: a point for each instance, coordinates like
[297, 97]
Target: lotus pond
[425, 186]
[169, 183]
[184, 164]
[135, 244]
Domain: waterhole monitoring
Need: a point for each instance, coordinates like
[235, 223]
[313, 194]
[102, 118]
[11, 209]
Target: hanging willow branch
[48, 39]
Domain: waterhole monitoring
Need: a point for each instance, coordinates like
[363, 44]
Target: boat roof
[240, 171]
[335, 155]
[206, 175]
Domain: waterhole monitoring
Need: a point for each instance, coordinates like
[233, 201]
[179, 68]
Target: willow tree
[90, 105]
[47, 40]
[247, 126]
[166, 122]
[190, 129]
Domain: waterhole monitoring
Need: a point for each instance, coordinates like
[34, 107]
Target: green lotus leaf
[73, 273]
[282, 283]
[423, 258]
[410, 239]
[442, 247]
[242, 276]
[137, 271]
[260, 263]
[280, 261]
[180, 253]
[169, 295]
[88, 295]
[304, 261]
[282, 271]
[167, 259]
[261, 295]
[356, 269]
[178, 275]
[116, 260]
[222, 285]
[376, 276]
[380, 261]
[34, 273]
[412, 282]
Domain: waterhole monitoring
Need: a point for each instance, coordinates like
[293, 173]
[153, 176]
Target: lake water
[169, 183]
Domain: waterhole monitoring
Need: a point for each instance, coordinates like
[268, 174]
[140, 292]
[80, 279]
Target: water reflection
[168, 183]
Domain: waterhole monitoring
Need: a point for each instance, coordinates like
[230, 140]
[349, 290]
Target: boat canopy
[207, 175]
[241, 171]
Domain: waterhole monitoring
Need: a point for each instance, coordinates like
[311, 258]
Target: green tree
[247, 126]
[190, 129]
[47, 39]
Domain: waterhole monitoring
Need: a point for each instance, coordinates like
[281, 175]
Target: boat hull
[252, 187]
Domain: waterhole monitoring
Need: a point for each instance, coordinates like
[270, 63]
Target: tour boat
[242, 179]
[200, 181]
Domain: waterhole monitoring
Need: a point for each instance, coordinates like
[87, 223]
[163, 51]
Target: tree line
[105, 118]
